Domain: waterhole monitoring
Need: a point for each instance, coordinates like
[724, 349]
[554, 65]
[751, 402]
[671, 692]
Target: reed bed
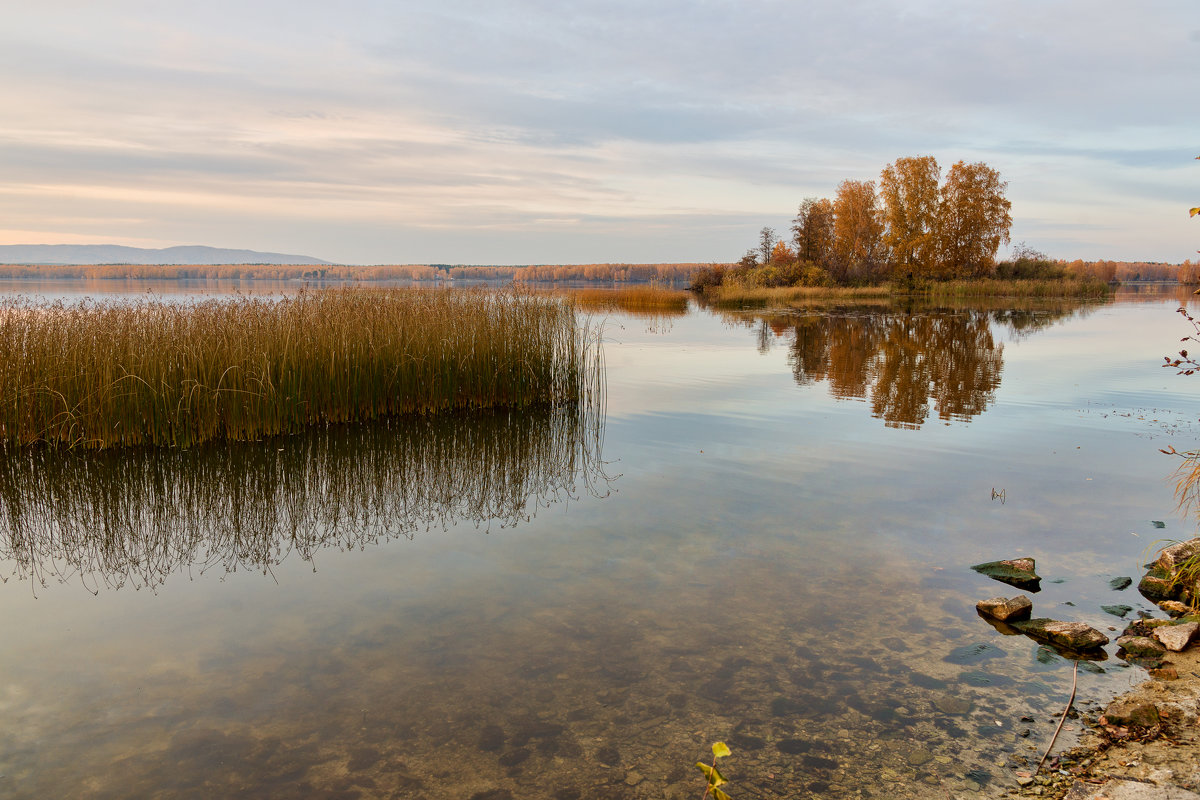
[763, 296]
[97, 375]
[990, 287]
[649, 297]
[735, 296]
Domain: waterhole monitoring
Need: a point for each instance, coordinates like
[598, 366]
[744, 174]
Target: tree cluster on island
[915, 225]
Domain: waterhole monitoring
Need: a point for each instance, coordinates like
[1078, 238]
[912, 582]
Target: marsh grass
[990, 287]
[644, 298]
[135, 516]
[149, 372]
[736, 296]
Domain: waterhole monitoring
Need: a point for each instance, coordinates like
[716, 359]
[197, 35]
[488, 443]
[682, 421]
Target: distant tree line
[620, 273]
[914, 224]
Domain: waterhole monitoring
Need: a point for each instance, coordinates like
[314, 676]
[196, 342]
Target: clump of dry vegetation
[159, 373]
[1032, 287]
[647, 297]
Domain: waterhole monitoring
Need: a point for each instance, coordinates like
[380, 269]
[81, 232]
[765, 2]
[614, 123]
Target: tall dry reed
[162, 373]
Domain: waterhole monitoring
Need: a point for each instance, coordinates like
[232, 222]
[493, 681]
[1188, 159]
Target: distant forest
[624, 273]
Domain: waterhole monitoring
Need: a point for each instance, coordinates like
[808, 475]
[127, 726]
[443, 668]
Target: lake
[764, 537]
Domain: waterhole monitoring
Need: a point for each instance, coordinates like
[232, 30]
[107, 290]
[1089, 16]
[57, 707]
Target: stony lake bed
[765, 540]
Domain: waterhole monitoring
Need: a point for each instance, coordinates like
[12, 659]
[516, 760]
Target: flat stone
[1072, 635]
[1120, 584]
[1018, 572]
[1176, 637]
[919, 756]
[1005, 609]
[1140, 646]
[1119, 610]
[948, 704]
[633, 778]
[1130, 714]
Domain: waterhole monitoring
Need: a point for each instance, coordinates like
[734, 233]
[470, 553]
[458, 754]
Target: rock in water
[1175, 574]
[1176, 637]
[1140, 646]
[1018, 572]
[1117, 610]
[1120, 584]
[1174, 607]
[1006, 610]
[1071, 635]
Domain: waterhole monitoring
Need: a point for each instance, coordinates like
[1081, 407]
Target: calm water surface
[765, 539]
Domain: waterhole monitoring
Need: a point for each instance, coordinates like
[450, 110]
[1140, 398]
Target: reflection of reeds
[133, 516]
[151, 372]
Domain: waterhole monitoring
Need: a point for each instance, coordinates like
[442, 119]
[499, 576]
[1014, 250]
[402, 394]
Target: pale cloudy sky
[534, 131]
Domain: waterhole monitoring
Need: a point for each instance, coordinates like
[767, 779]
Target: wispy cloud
[538, 131]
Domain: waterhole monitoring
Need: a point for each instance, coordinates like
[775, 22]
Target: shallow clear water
[770, 546]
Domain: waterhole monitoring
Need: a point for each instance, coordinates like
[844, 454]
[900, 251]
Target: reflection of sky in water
[776, 567]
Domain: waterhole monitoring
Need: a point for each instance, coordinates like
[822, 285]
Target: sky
[538, 131]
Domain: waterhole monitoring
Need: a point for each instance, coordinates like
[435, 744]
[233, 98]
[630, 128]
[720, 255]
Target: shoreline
[1109, 763]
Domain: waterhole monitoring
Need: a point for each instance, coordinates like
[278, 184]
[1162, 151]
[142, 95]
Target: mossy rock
[1070, 635]
[1141, 647]
[1018, 572]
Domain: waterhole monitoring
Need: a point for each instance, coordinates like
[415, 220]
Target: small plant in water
[715, 779]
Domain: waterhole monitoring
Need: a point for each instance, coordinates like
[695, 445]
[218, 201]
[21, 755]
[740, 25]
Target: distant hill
[116, 254]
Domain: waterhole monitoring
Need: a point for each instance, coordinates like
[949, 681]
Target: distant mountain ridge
[119, 254]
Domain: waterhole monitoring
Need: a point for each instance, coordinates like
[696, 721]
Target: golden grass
[649, 297]
[159, 373]
[991, 287]
[735, 296]
[760, 296]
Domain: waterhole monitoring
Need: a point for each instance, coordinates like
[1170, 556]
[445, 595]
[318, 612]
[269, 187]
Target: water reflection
[906, 363]
[131, 518]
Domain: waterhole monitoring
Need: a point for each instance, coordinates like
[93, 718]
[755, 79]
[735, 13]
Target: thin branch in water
[1067, 710]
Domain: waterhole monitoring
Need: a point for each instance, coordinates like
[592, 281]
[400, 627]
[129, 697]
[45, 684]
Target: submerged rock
[1120, 584]
[1071, 635]
[1176, 637]
[1117, 610]
[1006, 610]
[973, 653]
[1018, 572]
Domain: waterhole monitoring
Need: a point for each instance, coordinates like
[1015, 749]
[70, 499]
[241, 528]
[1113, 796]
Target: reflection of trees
[904, 361]
[132, 517]
[901, 362]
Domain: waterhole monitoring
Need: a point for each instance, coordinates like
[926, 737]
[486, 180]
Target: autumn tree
[857, 231]
[781, 253]
[973, 220]
[909, 192]
[812, 231]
